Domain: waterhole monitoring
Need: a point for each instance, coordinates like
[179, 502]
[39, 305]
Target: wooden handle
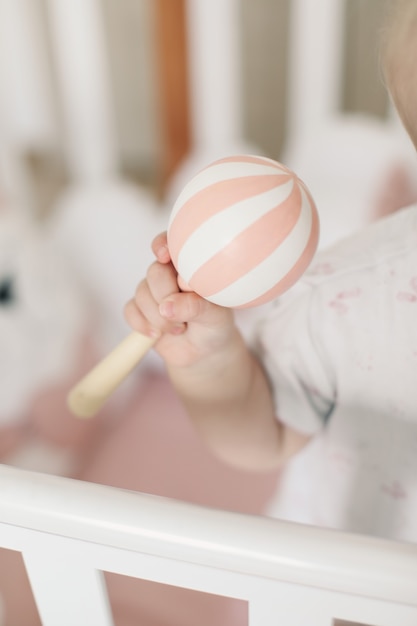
[89, 395]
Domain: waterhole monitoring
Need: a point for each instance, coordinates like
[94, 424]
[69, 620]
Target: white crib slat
[69, 531]
[215, 72]
[67, 592]
[25, 88]
[27, 120]
[78, 40]
[315, 61]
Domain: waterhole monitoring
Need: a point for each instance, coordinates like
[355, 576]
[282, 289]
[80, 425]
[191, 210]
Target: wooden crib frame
[69, 532]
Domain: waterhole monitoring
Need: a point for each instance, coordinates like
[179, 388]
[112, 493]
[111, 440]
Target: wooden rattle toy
[241, 232]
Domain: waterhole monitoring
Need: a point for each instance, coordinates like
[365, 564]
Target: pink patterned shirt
[341, 352]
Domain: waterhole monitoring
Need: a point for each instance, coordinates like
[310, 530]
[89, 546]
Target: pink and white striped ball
[243, 231]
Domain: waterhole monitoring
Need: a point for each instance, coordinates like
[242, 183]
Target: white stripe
[219, 172]
[274, 268]
[220, 229]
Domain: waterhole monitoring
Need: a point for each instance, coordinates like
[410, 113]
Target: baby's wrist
[213, 368]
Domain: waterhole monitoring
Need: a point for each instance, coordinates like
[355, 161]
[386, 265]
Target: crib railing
[69, 532]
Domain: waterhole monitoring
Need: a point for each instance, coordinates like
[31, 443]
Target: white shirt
[341, 352]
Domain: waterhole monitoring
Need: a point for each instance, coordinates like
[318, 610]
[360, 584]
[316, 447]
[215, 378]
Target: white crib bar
[215, 73]
[79, 47]
[53, 574]
[68, 531]
[27, 119]
[316, 42]
[25, 87]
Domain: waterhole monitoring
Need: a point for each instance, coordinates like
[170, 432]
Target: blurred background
[129, 74]
[107, 107]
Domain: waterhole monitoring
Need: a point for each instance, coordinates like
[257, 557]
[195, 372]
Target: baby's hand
[187, 327]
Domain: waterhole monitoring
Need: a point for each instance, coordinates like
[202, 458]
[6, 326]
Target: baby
[328, 391]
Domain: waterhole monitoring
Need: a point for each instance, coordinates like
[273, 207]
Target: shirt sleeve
[292, 352]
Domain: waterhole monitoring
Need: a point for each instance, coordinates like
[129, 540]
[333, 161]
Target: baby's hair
[398, 60]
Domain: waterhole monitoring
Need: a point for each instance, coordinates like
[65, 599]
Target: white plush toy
[63, 284]
[105, 233]
[43, 315]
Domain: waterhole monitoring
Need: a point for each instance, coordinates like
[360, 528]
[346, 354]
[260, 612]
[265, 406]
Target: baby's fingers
[142, 312]
[161, 280]
[160, 248]
[138, 322]
[189, 307]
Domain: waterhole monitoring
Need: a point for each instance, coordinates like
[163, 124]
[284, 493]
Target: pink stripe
[214, 199]
[296, 272]
[249, 248]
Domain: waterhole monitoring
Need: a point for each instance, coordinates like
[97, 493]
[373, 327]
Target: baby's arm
[220, 381]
